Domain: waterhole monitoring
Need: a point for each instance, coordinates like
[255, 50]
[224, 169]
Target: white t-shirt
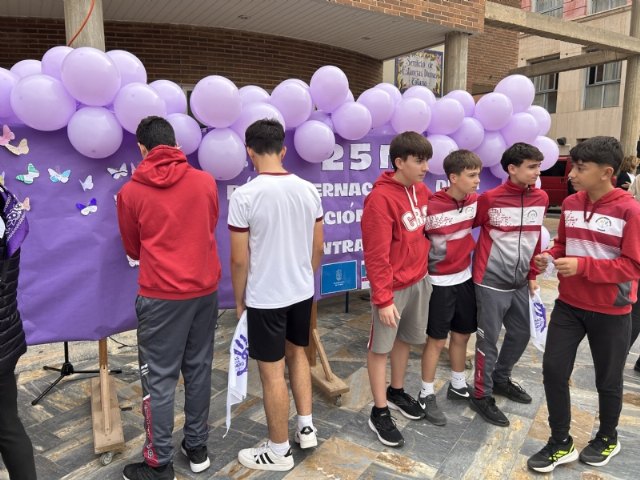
[279, 211]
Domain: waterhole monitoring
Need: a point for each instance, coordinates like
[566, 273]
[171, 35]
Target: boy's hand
[388, 316]
[567, 266]
[542, 260]
[240, 310]
[533, 286]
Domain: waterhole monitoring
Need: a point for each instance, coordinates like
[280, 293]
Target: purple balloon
[521, 128]
[254, 112]
[314, 141]
[411, 114]
[8, 80]
[322, 117]
[498, 171]
[24, 68]
[421, 92]
[350, 97]
[222, 154]
[446, 116]
[519, 89]
[542, 117]
[494, 111]
[130, 67]
[42, 102]
[470, 134]
[329, 88]
[392, 90]
[52, 60]
[352, 121]
[380, 105]
[385, 130]
[298, 81]
[465, 99]
[253, 94]
[293, 101]
[90, 76]
[491, 149]
[538, 183]
[136, 101]
[215, 101]
[550, 151]
[442, 146]
[95, 132]
[187, 130]
[172, 94]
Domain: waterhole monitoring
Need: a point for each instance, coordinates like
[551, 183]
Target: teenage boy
[510, 217]
[452, 307]
[597, 255]
[395, 253]
[276, 245]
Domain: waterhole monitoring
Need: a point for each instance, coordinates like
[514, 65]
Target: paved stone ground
[467, 448]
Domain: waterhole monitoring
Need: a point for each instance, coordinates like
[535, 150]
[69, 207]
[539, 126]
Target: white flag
[238, 367]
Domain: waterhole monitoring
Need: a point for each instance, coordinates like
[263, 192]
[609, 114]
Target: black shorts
[452, 308]
[268, 329]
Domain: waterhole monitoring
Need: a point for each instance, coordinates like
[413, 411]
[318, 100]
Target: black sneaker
[600, 450]
[431, 410]
[512, 391]
[458, 393]
[405, 403]
[142, 471]
[385, 427]
[488, 410]
[198, 458]
[552, 455]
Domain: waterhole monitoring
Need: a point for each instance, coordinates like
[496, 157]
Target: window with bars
[549, 7]
[603, 86]
[546, 91]
[604, 5]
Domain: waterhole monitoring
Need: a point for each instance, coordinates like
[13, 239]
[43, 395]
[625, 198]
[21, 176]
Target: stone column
[456, 51]
[630, 129]
[92, 35]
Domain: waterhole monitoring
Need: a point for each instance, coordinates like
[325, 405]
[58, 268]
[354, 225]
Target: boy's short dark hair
[153, 131]
[460, 160]
[265, 136]
[600, 150]
[409, 143]
[518, 153]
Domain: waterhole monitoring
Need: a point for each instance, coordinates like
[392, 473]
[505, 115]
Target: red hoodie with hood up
[167, 215]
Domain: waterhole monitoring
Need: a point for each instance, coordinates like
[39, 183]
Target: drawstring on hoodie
[413, 201]
[587, 218]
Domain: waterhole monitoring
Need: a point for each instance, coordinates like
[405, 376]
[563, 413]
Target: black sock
[396, 391]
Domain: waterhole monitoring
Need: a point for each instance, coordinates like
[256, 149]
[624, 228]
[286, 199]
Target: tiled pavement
[467, 448]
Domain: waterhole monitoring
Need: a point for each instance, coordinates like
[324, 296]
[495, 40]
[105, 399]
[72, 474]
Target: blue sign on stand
[339, 277]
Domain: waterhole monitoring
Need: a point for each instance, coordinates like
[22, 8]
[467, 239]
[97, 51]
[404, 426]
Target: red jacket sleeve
[129, 231]
[559, 243]
[482, 210]
[377, 231]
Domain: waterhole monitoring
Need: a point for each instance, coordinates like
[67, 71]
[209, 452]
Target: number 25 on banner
[359, 156]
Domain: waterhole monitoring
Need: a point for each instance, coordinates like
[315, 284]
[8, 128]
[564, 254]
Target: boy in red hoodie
[597, 255]
[395, 253]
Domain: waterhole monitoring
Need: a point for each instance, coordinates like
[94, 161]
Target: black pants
[635, 320]
[15, 446]
[608, 337]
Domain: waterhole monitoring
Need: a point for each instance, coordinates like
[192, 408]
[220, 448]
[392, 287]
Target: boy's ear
[453, 178]
[283, 152]
[396, 161]
[608, 171]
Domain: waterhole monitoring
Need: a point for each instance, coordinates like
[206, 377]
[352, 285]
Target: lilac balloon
[392, 90]
[95, 132]
[498, 171]
[329, 88]
[470, 134]
[550, 151]
[215, 101]
[136, 101]
[24, 68]
[521, 128]
[352, 121]
[545, 237]
[421, 92]
[542, 117]
[293, 101]
[222, 154]
[385, 130]
[538, 183]
[52, 60]
[8, 80]
[130, 67]
[253, 94]
[446, 116]
[42, 102]
[90, 76]
[465, 99]
[442, 146]
[322, 117]
[172, 94]
[314, 141]
[350, 97]
[254, 112]
[298, 81]
[519, 89]
[491, 149]
[411, 114]
[187, 130]
[494, 111]
[380, 105]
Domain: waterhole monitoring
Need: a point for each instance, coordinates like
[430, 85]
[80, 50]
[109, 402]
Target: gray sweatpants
[496, 308]
[175, 336]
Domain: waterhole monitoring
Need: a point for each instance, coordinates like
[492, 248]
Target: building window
[603, 86]
[549, 7]
[604, 5]
[546, 91]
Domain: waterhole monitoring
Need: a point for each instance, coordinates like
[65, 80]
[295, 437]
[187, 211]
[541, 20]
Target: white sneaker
[263, 458]
[307, 437]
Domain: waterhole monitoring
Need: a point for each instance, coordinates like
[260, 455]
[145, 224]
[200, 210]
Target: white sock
[458, 379]
[280, 449]
[305, 421]
[427, 389]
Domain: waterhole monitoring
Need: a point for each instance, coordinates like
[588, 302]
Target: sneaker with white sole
[198, 457]
[263, 458]
[600, 450]
[307, 437]
[552, 455]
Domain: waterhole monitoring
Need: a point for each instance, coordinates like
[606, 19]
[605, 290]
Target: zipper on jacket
[515, 273]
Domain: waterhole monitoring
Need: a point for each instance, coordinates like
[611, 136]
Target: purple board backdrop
[76, 282]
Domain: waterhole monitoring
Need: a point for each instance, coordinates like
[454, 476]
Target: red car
[555, 181]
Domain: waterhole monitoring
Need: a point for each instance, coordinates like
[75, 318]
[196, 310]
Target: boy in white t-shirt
[276, 245]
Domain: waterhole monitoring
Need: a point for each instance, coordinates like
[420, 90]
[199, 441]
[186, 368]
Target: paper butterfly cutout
[21, 149]
[116, 173]
[30, 176]
[133, 263]
[133, 168]
[87, 183]
[87, 209]
[115, 199]
[7, 135]
[26, 204]
[59, 177]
